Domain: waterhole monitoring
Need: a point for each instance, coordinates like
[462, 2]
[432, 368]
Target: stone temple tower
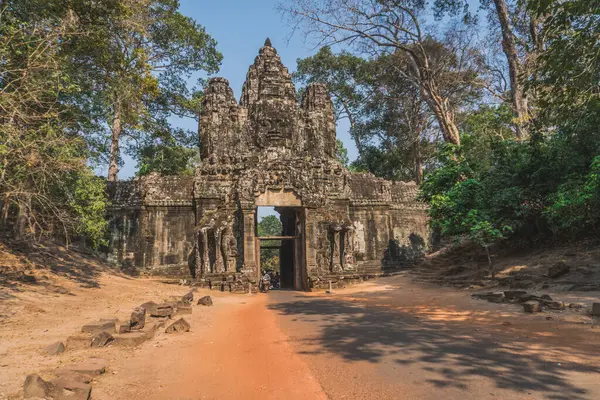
[268, 149]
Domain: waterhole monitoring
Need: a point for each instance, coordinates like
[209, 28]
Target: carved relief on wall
[216, 237]
[348, 260]
[336, 265]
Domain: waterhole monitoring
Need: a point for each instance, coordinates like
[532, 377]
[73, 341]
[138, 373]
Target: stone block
[123, 326]
[532, 306]
[78, 342]
[71, 387]
[181, 325]
[514, 294]
[529, 297]
[184, 310]
[92, 367]
[205, 301]
[521, 284]
[150, 306]
[188, 297]
[553, 305]
[162, 311]
[596, 309]
[135, 338]
[576, 306]
[138, 318]
[559, 269]
[36, 387]
[102, 339]
[55, 348]
[131, 339]
[494, 297]
[105, 325]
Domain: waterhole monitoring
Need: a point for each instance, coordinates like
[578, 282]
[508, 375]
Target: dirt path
[386, 339]
[234, 351]
[394, 339]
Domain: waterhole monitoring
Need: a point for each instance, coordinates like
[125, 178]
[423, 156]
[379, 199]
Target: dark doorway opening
[279, 252]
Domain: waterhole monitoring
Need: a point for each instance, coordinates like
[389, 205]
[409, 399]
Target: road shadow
[366, 332]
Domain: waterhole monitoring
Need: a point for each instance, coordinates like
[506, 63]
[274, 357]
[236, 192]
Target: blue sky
[240, 28]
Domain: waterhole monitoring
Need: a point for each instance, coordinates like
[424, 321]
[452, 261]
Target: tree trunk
[418, 162]
[444, 116]
[4, 213]
[113, 168]
[517, 94]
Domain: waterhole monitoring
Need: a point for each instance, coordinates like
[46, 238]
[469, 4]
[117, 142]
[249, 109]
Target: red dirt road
[235, 351]
[387, 339]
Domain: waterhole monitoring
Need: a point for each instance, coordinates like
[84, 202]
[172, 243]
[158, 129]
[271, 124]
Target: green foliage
[270, 225]
[89, 204]
[492, 188]
[66, 67]
[568, 77]
[341, 153]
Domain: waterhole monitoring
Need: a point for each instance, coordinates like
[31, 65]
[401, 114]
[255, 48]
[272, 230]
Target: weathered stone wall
[151, 225]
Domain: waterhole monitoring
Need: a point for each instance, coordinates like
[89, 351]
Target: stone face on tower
[269, 120]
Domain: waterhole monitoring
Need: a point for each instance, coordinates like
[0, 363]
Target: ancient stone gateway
[267, 150]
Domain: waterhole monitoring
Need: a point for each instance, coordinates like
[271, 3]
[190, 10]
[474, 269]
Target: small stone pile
[531, 303]
[74, 382]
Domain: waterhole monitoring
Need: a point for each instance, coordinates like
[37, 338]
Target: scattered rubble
[188, 298]
[205, 301]
[527, 300]
[102, 339]
[138, 318]
[559, 269]
[55, 348]
[162, 311]
[181, 325]
[73, 381]
[35, 387]
[532, 306]
[103, 325]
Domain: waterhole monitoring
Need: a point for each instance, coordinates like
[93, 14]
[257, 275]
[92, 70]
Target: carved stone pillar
[198, 254]
[248, 218]
[229, 246]
[219, 265]
[205, 257]
[336, 266]
[348, 259]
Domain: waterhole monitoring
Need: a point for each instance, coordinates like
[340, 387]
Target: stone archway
[292, 239]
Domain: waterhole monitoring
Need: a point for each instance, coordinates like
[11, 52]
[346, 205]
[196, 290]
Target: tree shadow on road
[359, 332]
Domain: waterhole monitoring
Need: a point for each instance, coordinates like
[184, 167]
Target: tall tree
[522, 37]
[135, 57]
[45, 183]
[390, 121]
[382, 26]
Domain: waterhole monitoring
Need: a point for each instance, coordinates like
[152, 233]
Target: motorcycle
[264, 284]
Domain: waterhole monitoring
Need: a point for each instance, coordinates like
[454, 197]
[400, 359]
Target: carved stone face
[273, 125]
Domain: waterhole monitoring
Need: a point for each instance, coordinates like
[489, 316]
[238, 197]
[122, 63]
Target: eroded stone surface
[181, 325]
[35, 387]
[102, 339]
[99, 326]
[138, 318]
[205, 301]
[532, 306]
[54, 348]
